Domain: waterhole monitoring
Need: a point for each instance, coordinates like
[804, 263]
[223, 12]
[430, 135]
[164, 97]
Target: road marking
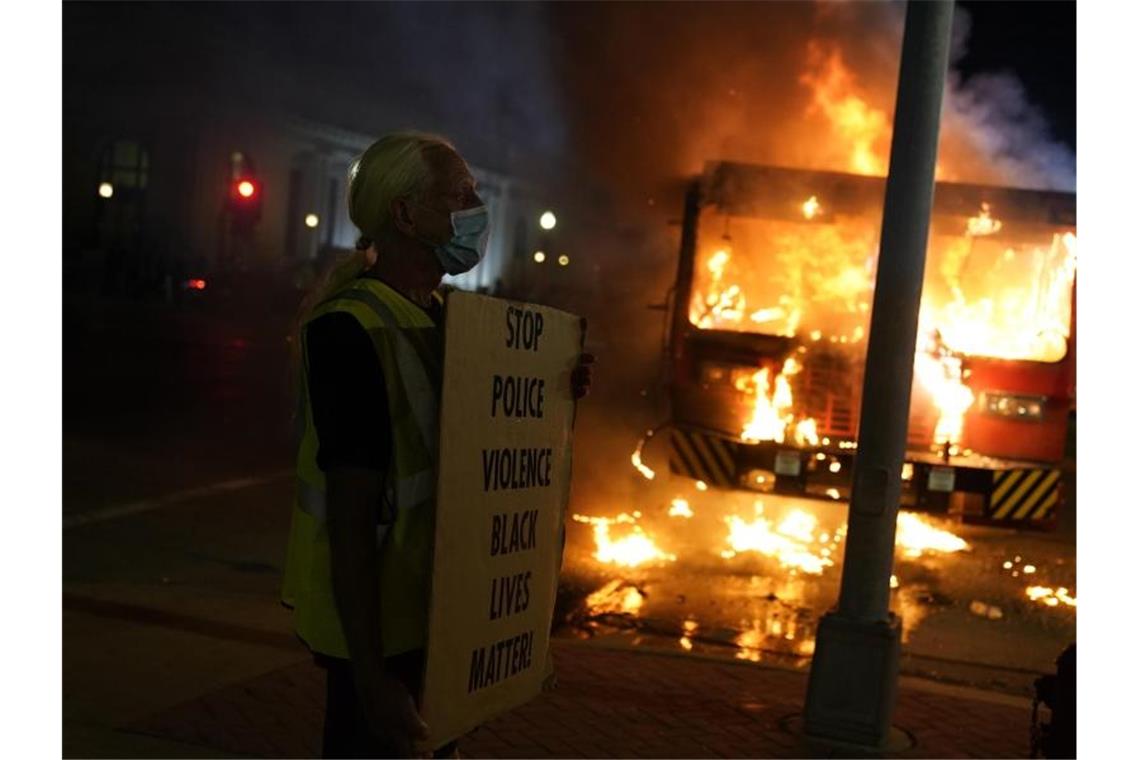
[147, 505]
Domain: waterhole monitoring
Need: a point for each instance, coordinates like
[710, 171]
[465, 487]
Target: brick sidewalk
[611, 703]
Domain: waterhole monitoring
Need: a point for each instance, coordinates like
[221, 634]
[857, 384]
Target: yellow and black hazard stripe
[1024, 494]
[703, 457]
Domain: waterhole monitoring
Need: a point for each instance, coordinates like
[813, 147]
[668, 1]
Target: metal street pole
[854, 674]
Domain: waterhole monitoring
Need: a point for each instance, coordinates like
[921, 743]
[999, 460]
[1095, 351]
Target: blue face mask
[470, 230]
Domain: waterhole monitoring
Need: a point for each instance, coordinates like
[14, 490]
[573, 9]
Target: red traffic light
[243, 203]
[245, 190]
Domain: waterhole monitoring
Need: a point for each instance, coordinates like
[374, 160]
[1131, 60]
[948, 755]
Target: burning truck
[770, 318]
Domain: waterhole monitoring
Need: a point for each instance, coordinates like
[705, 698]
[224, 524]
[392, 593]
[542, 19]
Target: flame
[771, 412]
[984, 294]
[860, 127]
[763, 316]
[789, 543]
[720, 303]
[940, 372]
[826, 278]
[637, 463]
[811, 208]
[821, 273]
[1051, 597]
[633, 549]
[983, 223]
[680, 508]
[806, 433]
[796, 543]
[615, 597]
[916, 536]
[1012, 303]
[689, 627]
[798, 525]
[717, 263]
[749, 642]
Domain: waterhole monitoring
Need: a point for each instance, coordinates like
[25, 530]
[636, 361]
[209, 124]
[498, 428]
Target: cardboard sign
[504, 481]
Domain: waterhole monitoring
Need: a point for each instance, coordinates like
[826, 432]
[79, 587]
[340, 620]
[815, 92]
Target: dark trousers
[347, 729]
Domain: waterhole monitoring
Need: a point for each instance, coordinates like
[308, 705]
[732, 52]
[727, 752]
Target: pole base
[899, 741]
[854, 681]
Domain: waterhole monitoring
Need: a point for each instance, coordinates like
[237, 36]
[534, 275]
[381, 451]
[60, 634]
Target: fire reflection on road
[750, 578]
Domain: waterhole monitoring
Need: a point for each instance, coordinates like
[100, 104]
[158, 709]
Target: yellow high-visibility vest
[410, 350]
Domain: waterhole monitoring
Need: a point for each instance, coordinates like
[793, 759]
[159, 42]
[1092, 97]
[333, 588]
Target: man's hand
[582, 376]
[392, 714]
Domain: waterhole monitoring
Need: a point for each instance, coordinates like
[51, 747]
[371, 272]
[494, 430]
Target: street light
[547, 220]
[312, 220]
[539, 256]
[246, 189]
[106, 189]
[563, 260]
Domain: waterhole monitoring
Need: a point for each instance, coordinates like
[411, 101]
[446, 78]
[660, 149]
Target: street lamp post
[854, 673]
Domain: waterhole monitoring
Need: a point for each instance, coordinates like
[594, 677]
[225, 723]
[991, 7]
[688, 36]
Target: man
[371, 372]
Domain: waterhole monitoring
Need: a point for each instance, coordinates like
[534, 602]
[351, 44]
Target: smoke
[993, 132]
[479, 73]
[656, 90]
[630, 94]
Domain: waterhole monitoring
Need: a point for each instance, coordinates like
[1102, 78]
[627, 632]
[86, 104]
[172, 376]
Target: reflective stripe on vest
[410, 354]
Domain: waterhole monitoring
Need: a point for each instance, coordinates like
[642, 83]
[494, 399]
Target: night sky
[1038, 42]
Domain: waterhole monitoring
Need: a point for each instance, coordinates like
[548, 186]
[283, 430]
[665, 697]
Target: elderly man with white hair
[369, 373]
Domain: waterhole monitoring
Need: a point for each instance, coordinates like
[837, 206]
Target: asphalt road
[160, 399]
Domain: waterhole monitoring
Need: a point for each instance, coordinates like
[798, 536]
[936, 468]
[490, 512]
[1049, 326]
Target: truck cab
[770, 321]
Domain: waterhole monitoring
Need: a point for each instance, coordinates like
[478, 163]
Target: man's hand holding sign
[512, 373]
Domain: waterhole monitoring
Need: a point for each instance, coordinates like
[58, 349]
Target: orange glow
[1051, 597]
[940, 372]
[983, 295]
[680, 508]
[689, 627]
[615, 597]
[857, 125]
[635, 460]
[1007, 301]
[635, 548]
[772, 414]
[811, 208]
[983, 223]
[916, 536]
[790, 543]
